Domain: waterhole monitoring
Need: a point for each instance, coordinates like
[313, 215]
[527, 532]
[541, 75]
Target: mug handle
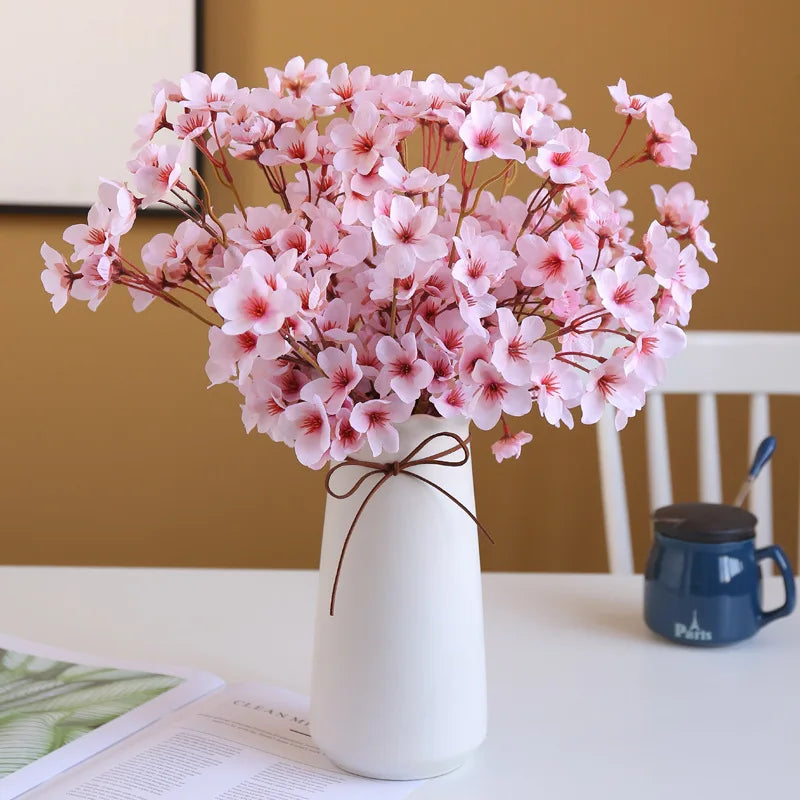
[776, 553]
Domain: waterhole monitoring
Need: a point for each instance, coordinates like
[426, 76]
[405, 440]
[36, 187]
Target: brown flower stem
[303, 353]
[571, 363]
[150, 288]
[208, 209]
[486, 183]
[440, 139]
[575, 325]
[636, 158]
[509, 179]
[228, 183]
[195, 276]
[532, 209]
[628, 121]
[191, 291]
[582, 355]
[393, 312]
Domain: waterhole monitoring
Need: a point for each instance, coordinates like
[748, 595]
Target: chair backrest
[754, 364]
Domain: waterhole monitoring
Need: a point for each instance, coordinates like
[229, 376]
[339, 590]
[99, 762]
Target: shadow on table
[614, 616]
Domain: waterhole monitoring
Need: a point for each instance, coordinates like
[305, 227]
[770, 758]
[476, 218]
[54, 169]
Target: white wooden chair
[754, 364]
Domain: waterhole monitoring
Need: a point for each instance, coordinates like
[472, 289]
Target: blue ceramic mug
[703, 581]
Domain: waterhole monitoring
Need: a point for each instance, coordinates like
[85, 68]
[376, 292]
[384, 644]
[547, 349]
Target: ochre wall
[113, 452]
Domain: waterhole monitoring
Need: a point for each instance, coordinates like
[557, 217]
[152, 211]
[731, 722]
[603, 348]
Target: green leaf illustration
[101, 693]
[26, 738]
[47, 704]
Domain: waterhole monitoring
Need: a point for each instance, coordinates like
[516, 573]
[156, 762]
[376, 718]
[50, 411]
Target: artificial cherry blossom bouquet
[391, 272]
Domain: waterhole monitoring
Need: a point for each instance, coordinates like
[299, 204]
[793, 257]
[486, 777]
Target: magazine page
[243, 742]
[58, 708]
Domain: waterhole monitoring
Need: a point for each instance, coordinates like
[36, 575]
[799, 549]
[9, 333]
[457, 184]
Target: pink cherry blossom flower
[689, 278]
[442, 366]
[547, 94]
[309, 429]
[418, 181]
[403, 372]
[297, 76]
[260, 226]
[608, 383]
[148, 124]
[678, 207]
[474, 310]
[488, 133]
[557, 389]
[384, 284]
[482, 261]
[335, 251]
[361, 143]
[646, 357]
[681, 212]
[474, 350]
[510, 445]
[447, 331]
[669, 143]
[57, 277]
[256, 298]
[155, 181]
[375, 418]
[192, 125]
[292, 146]
[164, 259]
[550, 263]
[494, 395]
[358, 205]
[519, 346]
[335, 322]
[703, 243]
[661, 252]
[345, 439]
[203, 93]
[92, 239]
[229, 355]
[122, 205]
[453, 401]
[343, 86]
[342, 375]
[629, 105]
[407, 234]
[534, 127]
[263, 404]
[96, 277]
[561, 158]
[244, 129]
[626, 293]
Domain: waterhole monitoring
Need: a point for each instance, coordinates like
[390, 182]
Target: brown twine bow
[389, 470]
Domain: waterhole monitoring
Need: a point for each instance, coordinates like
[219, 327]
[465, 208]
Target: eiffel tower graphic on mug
[694, 633]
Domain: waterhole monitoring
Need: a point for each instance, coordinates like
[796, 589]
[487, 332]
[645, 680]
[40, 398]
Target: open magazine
[79, 727]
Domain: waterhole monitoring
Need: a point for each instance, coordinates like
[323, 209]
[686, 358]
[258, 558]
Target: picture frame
[76, 78]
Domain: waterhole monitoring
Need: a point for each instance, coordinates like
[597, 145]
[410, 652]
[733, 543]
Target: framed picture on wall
[76, 77]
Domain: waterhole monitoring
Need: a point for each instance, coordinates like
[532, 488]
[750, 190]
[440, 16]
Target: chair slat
[760, 500]
[615, 499]
[708, 449]
[658, 464]
[715, 362]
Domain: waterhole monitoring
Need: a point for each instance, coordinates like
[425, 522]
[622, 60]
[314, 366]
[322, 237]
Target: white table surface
[584, 702]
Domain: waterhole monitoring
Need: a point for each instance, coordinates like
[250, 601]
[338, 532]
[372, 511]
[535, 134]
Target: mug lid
[708, 523]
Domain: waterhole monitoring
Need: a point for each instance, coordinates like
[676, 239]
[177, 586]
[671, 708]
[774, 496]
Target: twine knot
[390, 470]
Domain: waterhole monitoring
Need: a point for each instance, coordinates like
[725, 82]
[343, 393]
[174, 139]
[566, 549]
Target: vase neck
[415, 430]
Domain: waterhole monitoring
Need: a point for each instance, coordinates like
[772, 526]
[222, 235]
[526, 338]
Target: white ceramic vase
[399, 679]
